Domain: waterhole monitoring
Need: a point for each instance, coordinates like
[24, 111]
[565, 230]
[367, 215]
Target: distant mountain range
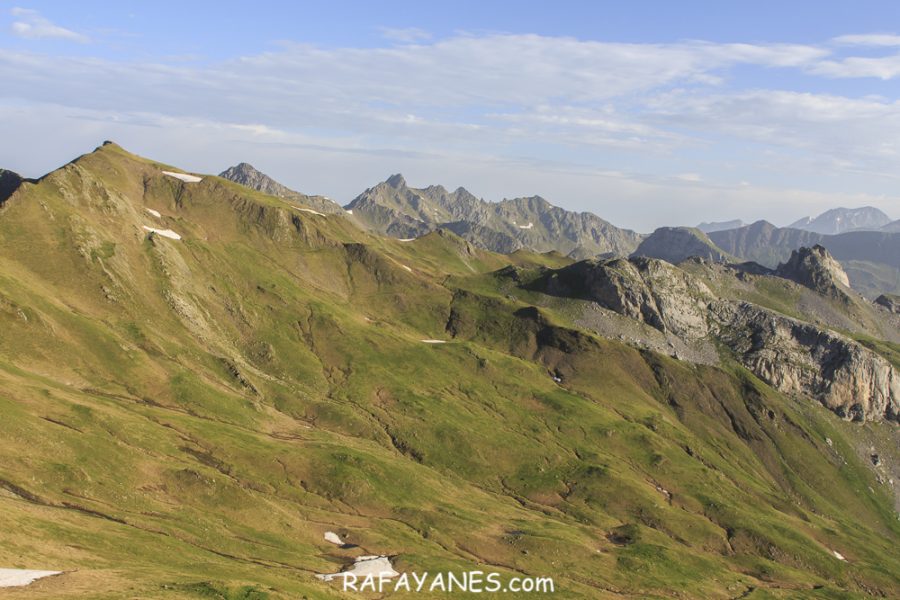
[720, 225]
[871, 258]
[393, 208]
[864, 240]
[842, 220]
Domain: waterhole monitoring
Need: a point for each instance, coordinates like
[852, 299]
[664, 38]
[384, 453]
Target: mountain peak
[396, 181]
[814, 268]
[840, 220]
[249, 176]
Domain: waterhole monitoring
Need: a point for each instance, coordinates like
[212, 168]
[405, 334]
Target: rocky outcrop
[648, 290]
[244, 174]
[796, 357]
[9, 182]
[816, 269]
[790, 355]
[675, 244]
[890, 302]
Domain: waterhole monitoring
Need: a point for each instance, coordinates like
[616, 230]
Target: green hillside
[186, 418]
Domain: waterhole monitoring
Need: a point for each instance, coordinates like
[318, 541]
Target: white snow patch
[406, 239]
[407, 268]
[838, 555]
[434, 341]
[349, 211]
[334, 538]
[529, 226]
[164, 232]
[376, 566]
[155, 213]
[183, 177]
[309, 210]
[22, 577]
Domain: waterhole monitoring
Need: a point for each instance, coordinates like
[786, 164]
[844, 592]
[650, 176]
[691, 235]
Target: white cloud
[881, 67]
[32, 25]
[849, 134]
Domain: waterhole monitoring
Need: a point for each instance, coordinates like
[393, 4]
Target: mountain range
[209, 391]
[872, 260]
[841, 220]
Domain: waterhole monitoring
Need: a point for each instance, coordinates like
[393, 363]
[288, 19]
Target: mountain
[870, 258]
[9, 182]
[841, 220]
[892, 227]
[675, 244]
[246, 174]
[395, 209]
[720, 225]
[208, 392]
[816, 269]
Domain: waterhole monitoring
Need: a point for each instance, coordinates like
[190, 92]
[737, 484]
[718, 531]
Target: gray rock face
[648, 290]
[675, 244]
[394, 208]
[796, 357]
[890, 302]
[248, 176]
[816, 269]
[790, 355]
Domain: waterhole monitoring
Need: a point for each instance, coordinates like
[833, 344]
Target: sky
[645, 113]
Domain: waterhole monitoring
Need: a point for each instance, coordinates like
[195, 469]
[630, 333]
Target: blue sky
[646, 113]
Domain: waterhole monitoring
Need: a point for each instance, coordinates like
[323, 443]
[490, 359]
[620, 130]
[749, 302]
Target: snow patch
[183, 177]
[309, 210]
[407, 268]
[334, 538]
[155, 213]
[406, 239]
[375, 566]
[22, 577]
[529, 226]
[434, 341]
[163, 232]
[838, 555]
[349, 211]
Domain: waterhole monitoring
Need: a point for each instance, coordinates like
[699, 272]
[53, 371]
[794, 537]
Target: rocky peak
[816, 269]
[396, 181]
[248, 176]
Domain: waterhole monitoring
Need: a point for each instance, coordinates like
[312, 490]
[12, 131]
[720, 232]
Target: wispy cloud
[868, 39]
[32, 25]
[502, 107]
[405, 35]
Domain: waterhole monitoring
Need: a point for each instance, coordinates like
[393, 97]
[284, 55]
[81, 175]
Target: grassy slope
[186, 419]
